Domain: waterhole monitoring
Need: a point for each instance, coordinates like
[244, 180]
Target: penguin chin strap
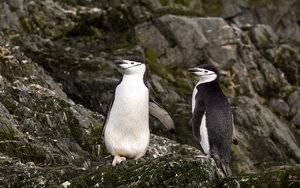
[207, 78]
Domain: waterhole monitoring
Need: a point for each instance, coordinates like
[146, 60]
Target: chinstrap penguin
[126, 131]
[212, 120]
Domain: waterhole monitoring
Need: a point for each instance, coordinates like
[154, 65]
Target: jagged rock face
[47, 139]
[38, 122]
[246, 71]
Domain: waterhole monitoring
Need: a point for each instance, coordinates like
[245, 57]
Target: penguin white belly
[204, 135]
[193, 98]
[127, 128]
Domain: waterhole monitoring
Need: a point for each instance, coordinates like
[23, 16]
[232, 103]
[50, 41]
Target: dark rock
[280, 107]
[296, 120]
[294, 102]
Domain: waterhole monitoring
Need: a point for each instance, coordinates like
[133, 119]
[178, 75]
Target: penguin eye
[132, 63]
[206, 71]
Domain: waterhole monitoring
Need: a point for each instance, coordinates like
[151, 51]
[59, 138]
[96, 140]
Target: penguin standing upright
[127, 131]
[212, 120]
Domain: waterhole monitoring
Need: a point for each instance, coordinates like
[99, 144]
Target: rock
[266, 12]
[189, 43]
[294, 102]
[281, 176]
[287, 59]
[296, 120]
[165, 171]
[169, 162]
[264, 36]
[280, 106]
[262, 136]
[39, 123]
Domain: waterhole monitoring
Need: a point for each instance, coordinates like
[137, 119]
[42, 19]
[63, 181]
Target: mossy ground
[167, 171]
[282, 177]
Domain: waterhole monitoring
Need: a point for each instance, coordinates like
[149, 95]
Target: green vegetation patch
[284, 177]
[168, 171]
[164, 2]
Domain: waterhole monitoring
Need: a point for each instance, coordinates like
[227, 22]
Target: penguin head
[131, 65]
[205, 73]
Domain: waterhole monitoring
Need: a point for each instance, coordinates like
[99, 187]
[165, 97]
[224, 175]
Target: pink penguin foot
[117, 160]
[202, 157]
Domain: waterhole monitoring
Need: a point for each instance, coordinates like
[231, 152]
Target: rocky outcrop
[57, 80]
[247, 71]
[46, 139]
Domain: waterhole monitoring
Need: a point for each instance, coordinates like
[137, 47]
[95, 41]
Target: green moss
[31, 176]
[155, 67]
[40, 22]
[182, 86]
[9, 103]
[226, 88]
[286, 177]
[167, 171]
[257, 3]
[212, 7]
[183, 2]
[164, 2]
[27, 24]
[24, 151]
[96, 132]
[259, 38]
[6, 132]
[30, 25]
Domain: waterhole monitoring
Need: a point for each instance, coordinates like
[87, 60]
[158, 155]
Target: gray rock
[294, 102]
[296, 120]
[262, 135]
[280, 106]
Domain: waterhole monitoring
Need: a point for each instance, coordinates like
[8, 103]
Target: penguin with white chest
[212, 120]
[127, 131]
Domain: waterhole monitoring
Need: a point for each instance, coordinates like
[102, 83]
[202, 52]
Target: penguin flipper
[162, 115]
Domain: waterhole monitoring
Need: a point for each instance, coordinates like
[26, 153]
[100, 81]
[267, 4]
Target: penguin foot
[117, 160]
[202, 157]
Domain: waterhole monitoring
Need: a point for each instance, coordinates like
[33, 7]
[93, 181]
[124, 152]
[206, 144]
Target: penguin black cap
[209, 67]
[131, 58]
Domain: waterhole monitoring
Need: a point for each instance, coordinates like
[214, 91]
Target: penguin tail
[226, 169]
[223, 165]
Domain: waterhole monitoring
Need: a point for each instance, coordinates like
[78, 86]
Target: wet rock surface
[57, 80]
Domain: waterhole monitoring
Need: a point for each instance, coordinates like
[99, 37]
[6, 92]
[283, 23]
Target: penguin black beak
[119, 62]
[193, 70]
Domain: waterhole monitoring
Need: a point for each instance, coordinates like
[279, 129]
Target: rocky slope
[57, 80]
